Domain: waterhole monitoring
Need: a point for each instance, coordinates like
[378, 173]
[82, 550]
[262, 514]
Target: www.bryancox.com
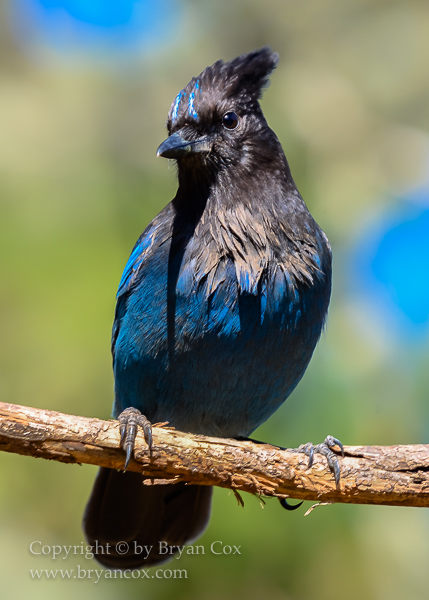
[97, 574]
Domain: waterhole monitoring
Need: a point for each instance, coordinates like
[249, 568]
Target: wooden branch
[389, 475]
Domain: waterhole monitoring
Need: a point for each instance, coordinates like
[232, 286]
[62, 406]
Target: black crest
[244, 76]
[241, 79]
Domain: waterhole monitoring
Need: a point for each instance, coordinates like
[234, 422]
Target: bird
[219, 308]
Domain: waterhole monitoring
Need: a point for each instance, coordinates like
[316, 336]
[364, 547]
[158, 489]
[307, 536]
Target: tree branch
[388, 475]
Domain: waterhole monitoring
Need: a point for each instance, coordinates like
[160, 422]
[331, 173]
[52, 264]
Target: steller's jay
[219, 308]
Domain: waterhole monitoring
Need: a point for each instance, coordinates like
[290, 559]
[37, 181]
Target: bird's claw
[288, 506]
[325, 448]
[129, 421]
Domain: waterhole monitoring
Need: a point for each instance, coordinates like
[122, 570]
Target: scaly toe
[325, 448]
[130, 419]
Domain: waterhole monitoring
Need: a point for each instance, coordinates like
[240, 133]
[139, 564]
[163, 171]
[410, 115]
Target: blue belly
[215, 363]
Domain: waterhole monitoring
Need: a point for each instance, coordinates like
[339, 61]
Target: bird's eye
[230, 120]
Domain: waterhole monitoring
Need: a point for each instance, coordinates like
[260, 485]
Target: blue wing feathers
[240, 329]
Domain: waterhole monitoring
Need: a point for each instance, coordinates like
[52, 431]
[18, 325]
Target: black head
[216, 120]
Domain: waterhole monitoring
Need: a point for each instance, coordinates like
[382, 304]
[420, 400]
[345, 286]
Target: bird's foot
[325, 448]
[130, 419]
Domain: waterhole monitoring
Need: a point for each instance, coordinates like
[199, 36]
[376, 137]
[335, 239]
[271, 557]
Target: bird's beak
[176, 146]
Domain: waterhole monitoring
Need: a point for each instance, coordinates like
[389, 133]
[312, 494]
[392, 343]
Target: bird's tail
[130, 525]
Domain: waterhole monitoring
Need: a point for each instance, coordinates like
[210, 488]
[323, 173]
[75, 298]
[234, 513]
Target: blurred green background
[85, 88]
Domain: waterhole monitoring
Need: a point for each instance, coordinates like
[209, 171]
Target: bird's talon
[147, 432]
[129, 421]
[288, 506]
[308, 450]
[311, 456]
[122, 429]
[128, 456]
[336, 469]
[325, 448]
[338, 444]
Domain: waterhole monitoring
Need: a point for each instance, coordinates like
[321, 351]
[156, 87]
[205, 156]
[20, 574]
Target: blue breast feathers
[188, 342]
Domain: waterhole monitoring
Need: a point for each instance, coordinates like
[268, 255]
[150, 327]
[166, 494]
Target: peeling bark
[387, 475]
